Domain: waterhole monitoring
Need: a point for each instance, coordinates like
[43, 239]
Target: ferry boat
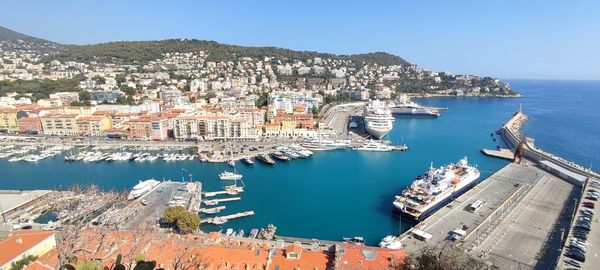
[142, 188]
[374, 146]
[378, 119]
[435, 189]
[405, 107]
[266, 159]
[230, 176]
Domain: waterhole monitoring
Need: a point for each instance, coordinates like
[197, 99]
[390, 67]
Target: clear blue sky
[507, 39]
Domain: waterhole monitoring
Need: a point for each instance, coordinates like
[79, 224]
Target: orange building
[30, 124]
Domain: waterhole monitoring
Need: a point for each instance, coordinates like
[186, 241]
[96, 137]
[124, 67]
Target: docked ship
[405, 107]
[142, 188]
[378, 119]
[434, 189]
[265, 159]
[233, 176]
[374, 146]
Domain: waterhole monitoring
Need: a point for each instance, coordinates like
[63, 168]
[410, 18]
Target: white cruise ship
[437, 187]
[142, 188]
[378, 119]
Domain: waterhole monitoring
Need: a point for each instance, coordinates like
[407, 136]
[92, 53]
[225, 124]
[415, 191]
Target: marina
[342, 170]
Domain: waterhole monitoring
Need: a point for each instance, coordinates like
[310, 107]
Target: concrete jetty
[229, 217]
[222, 200]
[501, 153]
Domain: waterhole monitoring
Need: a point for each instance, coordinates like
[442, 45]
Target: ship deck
[523, 206]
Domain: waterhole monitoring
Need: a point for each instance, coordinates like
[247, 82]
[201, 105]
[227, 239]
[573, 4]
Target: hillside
[143, 51]
[13, 40]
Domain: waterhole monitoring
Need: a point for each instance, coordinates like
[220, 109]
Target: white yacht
[142, 188]
[230, 176]
[374, 146]
[391, 242]
[378, 119]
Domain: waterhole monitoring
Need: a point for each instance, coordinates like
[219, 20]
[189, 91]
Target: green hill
[143, 51]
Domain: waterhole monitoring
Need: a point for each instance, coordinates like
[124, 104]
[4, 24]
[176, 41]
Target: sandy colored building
[93, 125]
[8, 120]
[59, 124]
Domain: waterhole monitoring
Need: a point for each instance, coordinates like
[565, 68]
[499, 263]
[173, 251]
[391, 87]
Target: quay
[228, 217]
[209, 210]
[527, 212]
[217, 201]
[501, 153]
[214, 193]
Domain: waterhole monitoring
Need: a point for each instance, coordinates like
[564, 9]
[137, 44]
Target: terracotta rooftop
[47, 261]
[20, 242]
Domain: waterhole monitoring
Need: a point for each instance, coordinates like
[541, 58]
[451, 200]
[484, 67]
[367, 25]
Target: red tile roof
[20, 242]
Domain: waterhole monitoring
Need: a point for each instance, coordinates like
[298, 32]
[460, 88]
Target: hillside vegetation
[143, 51]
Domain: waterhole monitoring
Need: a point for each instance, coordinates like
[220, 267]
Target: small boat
[391, 242]
[211, 202]
[357, 240]
[229, 232]
[248, 161]
[231, 163]
[240, 233]
[266, 159]
[280, 156]
[219, 220]
[253, 233]
[230, 176]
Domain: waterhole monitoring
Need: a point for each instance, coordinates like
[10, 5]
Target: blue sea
[344, 193]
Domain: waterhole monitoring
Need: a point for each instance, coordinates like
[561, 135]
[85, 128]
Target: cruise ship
[142, 188]
[405, 107]
[378, 119]
[432, 191]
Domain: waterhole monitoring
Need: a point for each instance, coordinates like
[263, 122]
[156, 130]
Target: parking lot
[582, 246]
[156, 201]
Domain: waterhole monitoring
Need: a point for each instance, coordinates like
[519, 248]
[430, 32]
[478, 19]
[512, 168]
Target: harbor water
[346, 193]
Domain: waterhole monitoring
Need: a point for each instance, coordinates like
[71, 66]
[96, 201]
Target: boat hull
[378, 132]
[408, 217]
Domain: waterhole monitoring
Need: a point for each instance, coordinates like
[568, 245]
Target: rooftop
[20, 242]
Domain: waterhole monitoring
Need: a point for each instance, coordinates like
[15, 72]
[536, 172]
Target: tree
[20, 264]
[99, 79]
[84, 96]
[440, 259]
[172, 213]
[188, 222]
[262, 100]
[120, 78]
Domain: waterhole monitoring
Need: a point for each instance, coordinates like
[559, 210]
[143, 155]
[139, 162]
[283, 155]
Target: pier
[228, 217]
[501, 153]
[214, 193]
[217, 201]
[212, 210]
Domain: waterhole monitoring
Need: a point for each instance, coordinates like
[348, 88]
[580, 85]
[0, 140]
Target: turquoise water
[348, 193]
